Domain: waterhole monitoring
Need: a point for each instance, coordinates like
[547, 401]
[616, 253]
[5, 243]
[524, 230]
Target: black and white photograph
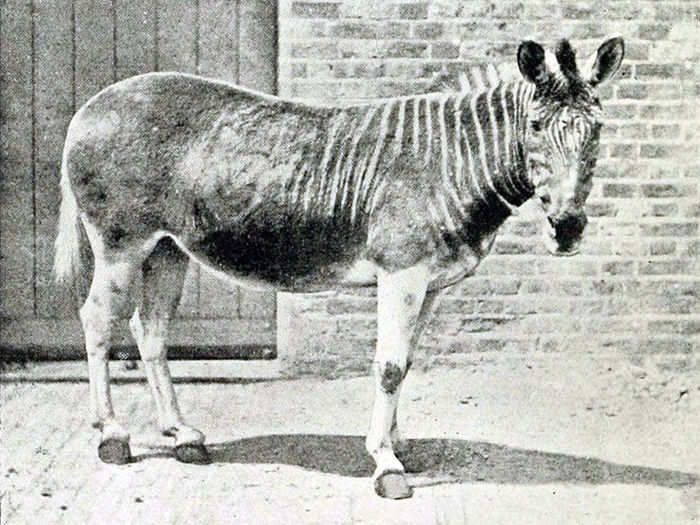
[430, 262]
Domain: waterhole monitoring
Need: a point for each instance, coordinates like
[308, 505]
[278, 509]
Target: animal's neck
[484, 164]
[492, 127]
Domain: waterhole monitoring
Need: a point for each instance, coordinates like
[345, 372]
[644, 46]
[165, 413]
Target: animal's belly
[315, 257]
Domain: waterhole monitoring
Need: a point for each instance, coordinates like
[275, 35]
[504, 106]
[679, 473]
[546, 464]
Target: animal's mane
[474, 78]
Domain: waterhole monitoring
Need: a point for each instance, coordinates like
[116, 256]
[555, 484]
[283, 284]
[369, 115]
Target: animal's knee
[391, 375]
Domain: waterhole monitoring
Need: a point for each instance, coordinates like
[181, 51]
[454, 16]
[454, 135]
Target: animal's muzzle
[565, 232]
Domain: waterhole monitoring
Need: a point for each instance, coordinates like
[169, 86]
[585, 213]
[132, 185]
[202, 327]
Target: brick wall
[634, 289]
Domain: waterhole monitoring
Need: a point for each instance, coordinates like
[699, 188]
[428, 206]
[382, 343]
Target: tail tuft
[66, 262]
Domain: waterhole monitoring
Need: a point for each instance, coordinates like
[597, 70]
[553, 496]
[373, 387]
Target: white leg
[400, 296]
[163, 276]
[108, 294]
[424, 317]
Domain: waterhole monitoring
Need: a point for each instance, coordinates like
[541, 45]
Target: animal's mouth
[563, 237]
[560, 247]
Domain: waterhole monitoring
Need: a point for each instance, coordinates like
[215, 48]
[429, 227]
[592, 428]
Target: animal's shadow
[443, 460]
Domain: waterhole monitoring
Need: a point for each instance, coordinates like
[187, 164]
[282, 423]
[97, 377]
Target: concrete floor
[508, 441]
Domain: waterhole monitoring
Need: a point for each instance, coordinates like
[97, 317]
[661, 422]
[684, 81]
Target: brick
[353, 30]
[618, 229]
[522, 228]
[539, 324]
[368, 70]
[619, 190]
[632, 131]
[505, 286]
[489, 306]
[657, 71]
[633, 91]
[483, 324]
[682, 327]
[396, 30]
[315, 49]
[507, 265]
[665, 131]
[584, 30]
[403, 69]
[302, 29]
[624, 151]
[625, 72]
[670, 288]
[577, 12]
[636, 51]
[603, 287]
[621, 111]
[414, 11]
[661, 151]
[665, 91]
[405, 49]
[535, 286]
[429, 30]
[668, 190]
[693, 210]
[653, 31]
[444, 50]
[616, 324]
[586, 307]
[626, 11]
[320, 70]
[545, 10]
[454, 305]
[512, 247]
[618, 268]
[689, 11]
[474, 286]
[315, 9]
[660, 209]
[670, 229]
[656, 345]
[351, 305]
[677, 267]
[662, 112]
[601, 209]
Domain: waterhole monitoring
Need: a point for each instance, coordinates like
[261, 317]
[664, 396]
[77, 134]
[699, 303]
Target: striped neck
[491, 130]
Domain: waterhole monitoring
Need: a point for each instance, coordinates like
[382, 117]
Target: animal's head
[563, 132]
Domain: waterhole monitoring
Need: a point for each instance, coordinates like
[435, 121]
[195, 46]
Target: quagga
[405, 193]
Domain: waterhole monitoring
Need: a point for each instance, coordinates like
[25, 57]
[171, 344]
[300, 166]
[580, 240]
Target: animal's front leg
[424, 317]
[400, 296]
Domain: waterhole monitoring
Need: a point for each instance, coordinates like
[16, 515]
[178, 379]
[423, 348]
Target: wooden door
[56, 54]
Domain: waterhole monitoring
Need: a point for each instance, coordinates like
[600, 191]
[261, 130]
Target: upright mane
[473, 78]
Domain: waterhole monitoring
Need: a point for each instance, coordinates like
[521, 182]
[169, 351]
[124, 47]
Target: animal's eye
[536, 125]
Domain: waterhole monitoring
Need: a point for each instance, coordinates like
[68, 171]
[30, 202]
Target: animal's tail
[66, 261]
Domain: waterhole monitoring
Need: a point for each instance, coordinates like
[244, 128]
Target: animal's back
[137, 150]
[214, 166]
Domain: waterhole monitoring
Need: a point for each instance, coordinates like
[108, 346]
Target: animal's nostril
[551, 221]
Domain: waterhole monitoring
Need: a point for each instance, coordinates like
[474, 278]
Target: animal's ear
[605, 62]
[531, 62]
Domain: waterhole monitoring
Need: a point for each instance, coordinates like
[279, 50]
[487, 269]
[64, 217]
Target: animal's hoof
[392, 485]
[113, 450]
[192, 453]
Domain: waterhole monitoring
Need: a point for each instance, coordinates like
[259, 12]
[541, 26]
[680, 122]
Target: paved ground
[517, 441]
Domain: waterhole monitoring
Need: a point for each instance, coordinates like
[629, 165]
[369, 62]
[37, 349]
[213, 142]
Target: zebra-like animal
[405, 193]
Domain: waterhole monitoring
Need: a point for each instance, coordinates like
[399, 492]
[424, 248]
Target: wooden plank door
[56, 54]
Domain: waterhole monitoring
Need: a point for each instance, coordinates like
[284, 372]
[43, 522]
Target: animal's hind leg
[105, 302]
[163, 277]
